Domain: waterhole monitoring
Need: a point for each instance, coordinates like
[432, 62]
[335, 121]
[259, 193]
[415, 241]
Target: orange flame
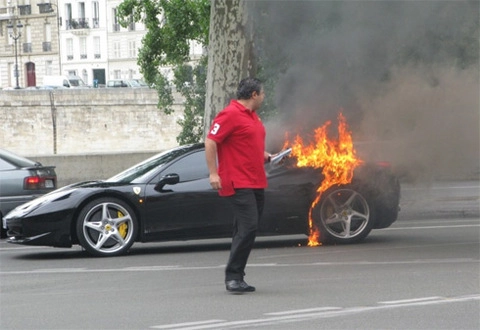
[336, 158]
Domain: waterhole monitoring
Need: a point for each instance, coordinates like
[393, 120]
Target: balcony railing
[45, 8]
[116, 27]
[69, 57]
[97, 56]
[74, 24]
[27, 47]
[83, 56]
[47, 46]
[25, 9]
[95, 23]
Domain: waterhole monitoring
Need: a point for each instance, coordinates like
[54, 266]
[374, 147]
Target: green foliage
[171, 26]
[192, 84]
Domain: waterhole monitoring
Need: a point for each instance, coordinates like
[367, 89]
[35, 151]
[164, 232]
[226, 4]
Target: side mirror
[171, 178]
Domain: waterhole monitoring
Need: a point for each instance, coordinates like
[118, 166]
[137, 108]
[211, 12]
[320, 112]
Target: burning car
[168, 197]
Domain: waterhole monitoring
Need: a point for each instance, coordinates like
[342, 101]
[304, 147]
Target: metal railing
[27, 47]
[25, 9]
[74, 24]
[47, 46]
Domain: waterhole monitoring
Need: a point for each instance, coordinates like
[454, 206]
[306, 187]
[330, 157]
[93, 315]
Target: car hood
[69, 196]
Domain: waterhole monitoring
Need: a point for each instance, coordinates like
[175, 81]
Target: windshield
[76, 82]
[134, 83]
[142, 171]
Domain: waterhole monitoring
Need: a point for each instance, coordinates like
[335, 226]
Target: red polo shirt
[240, 137]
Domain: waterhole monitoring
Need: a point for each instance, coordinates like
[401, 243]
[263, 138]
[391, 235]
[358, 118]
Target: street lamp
[15, 33]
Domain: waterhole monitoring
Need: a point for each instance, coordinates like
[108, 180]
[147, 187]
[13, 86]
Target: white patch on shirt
[215, 129]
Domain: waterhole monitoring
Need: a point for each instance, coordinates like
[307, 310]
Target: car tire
[343, 215]
[107, 227]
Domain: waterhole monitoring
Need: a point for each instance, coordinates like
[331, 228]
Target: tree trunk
[230, 55]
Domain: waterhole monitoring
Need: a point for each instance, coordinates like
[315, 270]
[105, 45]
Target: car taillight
[33, 183]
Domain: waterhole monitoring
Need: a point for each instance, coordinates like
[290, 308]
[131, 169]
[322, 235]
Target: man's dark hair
[247, 86]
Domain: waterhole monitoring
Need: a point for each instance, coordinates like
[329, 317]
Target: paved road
[421, 273]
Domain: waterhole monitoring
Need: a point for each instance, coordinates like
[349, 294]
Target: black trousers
[247, 208]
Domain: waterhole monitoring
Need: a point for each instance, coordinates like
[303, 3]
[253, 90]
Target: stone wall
[85, 121]
[76, 168]
[99, 132]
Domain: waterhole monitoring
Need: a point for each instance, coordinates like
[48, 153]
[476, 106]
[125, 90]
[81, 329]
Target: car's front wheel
[107, 227]
[343, 215]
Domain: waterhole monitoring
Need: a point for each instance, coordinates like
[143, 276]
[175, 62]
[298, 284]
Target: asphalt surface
[421, 273]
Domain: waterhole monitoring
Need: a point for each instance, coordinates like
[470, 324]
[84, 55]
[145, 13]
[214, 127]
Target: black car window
[142, 171]
[190, 167]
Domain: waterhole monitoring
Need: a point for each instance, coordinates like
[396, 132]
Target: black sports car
[168, 197]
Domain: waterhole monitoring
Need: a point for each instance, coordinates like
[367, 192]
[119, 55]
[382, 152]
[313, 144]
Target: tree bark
[230, 55]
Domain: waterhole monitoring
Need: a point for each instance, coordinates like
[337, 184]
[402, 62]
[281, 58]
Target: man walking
[237, 138]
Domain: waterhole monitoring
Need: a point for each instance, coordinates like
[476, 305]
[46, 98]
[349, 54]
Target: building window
[117, 74]
[48, 32]
[48, 68]
[85, 76]
[47, 44]
[27, 46]
[132, 50]
[68, 15]
[116, 25]
[116, 49]
[69, 49]
[83, 47]
[95, 14]
[96, 47]
[131, 25]
[81, 10]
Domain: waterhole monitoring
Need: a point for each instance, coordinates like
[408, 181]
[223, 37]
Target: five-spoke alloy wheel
[107, 227]
[343, 215]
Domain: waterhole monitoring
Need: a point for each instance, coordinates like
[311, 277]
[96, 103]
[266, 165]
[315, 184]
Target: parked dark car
[168, 197]
[22, 180]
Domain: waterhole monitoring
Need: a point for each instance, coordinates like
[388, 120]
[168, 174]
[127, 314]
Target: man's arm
[211, 157]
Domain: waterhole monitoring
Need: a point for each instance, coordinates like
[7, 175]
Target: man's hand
[215, 181]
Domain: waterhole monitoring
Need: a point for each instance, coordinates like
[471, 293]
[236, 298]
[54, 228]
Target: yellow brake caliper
[122, 229]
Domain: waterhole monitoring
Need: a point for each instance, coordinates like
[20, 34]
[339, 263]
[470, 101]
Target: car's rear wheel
[343, 215]
[107, 227]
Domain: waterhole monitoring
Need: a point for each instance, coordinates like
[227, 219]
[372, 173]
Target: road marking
[189, 268]
[404, 301]
[313, 313]
[186, 324]
[431, 227]
[296, 311]
[405, 188]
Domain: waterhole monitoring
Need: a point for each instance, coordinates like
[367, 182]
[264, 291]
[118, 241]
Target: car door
[188, 209]
[287, 199]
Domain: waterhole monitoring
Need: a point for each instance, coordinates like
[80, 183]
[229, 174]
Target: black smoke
[404, 73]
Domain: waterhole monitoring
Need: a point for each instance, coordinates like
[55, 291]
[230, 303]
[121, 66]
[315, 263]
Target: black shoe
[238, 286]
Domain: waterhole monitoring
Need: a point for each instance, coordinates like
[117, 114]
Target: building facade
[29, 42]
[93, 44]
[69, 37]
[66, 37]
